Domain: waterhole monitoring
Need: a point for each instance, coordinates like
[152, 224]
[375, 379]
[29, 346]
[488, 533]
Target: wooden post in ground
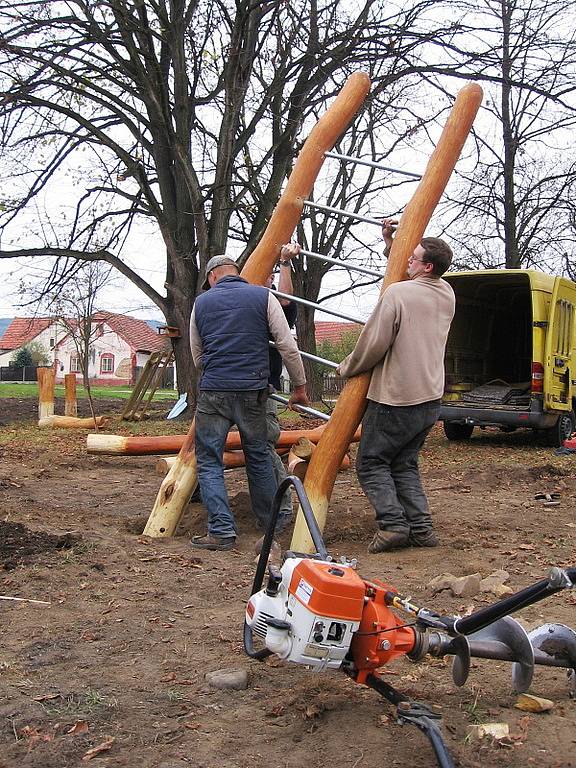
[70, 402]
[350, 406]
[46, 379]
[181, 480]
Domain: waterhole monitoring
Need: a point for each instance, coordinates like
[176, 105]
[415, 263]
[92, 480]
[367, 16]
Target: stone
[440, 583]
[496, 579]
[230, 679]
[501, 590]
[466, 586]
[460, 586]
[493, 730]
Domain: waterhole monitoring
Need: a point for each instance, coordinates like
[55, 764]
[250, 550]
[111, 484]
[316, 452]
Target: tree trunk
[509, 203]
[307, 342]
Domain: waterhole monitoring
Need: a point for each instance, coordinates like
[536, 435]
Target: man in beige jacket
[403, 345]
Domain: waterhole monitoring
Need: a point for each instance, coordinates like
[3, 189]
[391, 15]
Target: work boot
[425, 539]
[275, 555]
[213, 543]
[384, 540]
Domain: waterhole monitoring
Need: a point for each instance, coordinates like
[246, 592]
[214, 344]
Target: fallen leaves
[80, 726]
[529, 703]
[95, 751]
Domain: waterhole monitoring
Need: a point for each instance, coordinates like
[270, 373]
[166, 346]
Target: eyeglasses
[422, 261]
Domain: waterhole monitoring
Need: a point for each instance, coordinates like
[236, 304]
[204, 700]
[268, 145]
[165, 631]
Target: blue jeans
[216, 412]
[387, 464]
[280, 473]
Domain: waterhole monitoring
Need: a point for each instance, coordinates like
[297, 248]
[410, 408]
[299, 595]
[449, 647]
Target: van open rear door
[559, 371]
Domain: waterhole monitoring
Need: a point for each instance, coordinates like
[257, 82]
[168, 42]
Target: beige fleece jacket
[403, 343]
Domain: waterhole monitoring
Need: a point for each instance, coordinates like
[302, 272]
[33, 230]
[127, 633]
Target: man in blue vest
[230, 327]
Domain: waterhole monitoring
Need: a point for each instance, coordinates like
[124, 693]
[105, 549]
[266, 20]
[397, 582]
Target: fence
[13, 373]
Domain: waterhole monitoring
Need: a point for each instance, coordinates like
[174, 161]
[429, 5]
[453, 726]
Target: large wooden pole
[351, 404]
[123, 445]
[181, 480]
[70, 402]
[46, 379]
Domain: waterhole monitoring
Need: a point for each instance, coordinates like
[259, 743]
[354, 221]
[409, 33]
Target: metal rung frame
[307, 303]
[310, 356]
[303, 408]
[342, 212]
[371, 164]
[340, 263]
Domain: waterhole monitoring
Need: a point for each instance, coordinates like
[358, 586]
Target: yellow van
[511, 357]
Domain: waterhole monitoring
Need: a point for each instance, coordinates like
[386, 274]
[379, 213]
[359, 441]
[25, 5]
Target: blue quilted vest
[232, 320]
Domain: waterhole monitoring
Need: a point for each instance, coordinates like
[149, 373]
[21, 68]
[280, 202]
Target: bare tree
[181, 112]
[511, 207]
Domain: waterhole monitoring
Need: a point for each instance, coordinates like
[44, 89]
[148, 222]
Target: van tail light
[537, 377]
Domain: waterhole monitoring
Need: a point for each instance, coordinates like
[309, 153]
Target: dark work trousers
[216, 412]
[387, 464]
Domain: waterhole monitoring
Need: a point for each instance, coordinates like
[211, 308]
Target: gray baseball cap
[216, 261]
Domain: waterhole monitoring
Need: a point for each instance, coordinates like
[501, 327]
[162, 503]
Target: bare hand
[289, 250]
[388, 228]
[299, 396]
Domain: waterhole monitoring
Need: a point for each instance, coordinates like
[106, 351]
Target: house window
[107, 363]
[75, 364]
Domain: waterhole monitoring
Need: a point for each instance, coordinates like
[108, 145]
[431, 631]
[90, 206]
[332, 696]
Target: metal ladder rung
[302, 408]
[342, 212]
[307, 303]
[351, 268]
[310, 356]
[371, 164]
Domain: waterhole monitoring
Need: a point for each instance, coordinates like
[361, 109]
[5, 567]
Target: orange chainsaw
[320, 613]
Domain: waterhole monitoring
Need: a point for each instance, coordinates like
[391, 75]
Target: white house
[120, 348]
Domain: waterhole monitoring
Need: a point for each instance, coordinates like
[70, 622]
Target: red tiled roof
[333, 331]
[22, 330]
[136, 333]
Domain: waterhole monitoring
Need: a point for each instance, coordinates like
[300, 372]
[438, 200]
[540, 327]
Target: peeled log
[181, 481]
[351, 404]
[300, 455]
[73, 422]
[46, 382]
[120, 445]
[232, 460]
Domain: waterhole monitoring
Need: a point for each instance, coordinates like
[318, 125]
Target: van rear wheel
[455, 431]
[561, 431]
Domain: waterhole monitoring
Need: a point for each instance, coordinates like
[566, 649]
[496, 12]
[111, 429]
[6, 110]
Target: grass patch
[78, 703]
[12, 389]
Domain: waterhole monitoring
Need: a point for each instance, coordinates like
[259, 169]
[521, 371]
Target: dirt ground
[112, 671]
